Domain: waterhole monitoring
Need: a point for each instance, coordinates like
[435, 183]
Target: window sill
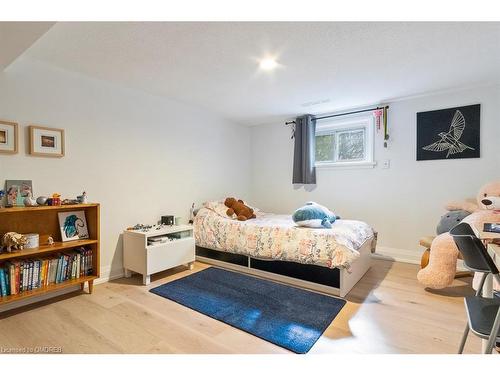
[347, 165]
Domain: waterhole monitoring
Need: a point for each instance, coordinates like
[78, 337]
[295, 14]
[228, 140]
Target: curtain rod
[343, 114]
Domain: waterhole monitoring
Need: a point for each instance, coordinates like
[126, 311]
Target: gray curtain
[304, 155]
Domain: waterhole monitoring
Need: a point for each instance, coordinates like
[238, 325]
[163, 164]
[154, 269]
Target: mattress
[276, 237]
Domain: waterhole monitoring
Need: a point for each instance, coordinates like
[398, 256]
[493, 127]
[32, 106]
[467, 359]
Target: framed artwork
[17, 190]
[8, 137]
[73, 225]
[46, 141]
[451, 133]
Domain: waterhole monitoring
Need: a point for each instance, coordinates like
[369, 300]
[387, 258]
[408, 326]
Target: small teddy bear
[238, 207]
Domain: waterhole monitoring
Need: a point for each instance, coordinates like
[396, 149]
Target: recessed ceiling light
[268, 63]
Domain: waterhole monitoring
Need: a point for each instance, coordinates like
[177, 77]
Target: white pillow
[219, 208]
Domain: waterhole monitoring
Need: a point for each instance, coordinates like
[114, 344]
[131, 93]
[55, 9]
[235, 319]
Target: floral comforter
[276, 237]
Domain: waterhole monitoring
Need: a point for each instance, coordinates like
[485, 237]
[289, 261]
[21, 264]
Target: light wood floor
[387, 312]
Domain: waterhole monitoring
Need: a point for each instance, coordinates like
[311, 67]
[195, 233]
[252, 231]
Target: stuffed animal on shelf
[13, 240]
[29, 201]
[238, 208]
[314, 215]
[440, 271]
[82, 198]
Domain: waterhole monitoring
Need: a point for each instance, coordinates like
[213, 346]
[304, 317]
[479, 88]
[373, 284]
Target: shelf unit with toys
[44, 221]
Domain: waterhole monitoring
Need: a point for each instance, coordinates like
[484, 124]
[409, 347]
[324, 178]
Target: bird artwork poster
[451, 133]
[73, 225]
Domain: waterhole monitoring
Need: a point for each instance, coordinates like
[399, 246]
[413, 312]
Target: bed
[272, 246]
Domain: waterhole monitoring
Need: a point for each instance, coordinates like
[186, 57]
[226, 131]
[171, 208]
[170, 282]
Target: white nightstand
[157, 250]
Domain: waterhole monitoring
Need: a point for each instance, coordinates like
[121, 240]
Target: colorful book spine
[7, 282]
[36, 275]
[3, 283]
[25, 276]
[12, 278]
[31, 274]
[17, 276]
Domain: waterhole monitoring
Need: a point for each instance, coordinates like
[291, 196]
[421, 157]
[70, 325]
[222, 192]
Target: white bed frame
[347, 280]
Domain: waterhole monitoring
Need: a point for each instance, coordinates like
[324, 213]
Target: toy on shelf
[82, 198]
[66, 202]
[13, 240]
[50, 241]
[41, 201]
[55, 200]
[29, 201]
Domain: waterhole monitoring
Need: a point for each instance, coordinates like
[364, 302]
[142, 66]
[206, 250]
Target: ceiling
[324, 66]
[16, 37]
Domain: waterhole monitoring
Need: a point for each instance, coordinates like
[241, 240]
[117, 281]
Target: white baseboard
[397, 255]
[106, 275]
[405, 256]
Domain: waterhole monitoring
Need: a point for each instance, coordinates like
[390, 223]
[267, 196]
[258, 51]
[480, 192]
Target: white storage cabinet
[157, 250]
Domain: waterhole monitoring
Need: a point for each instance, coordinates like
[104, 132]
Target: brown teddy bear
[242, 211]
[443, 256]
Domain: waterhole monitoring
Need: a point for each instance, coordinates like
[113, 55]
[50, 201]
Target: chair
[483, 314]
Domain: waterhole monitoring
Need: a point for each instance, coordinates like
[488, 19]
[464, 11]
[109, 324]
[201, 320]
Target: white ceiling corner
[16, 37]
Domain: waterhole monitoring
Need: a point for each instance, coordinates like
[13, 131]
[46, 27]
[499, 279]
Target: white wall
[140, 156]
[402, 203]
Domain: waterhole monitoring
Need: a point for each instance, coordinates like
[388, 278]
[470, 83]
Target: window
[345, 141]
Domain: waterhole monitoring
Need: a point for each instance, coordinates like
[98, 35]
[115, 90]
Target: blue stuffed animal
[314, 215]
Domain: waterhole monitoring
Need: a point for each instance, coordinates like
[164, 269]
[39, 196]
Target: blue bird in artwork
[70, 225]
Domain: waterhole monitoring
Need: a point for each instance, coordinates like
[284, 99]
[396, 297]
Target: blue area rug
[290, 317]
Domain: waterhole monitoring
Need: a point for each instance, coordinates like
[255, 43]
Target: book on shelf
[23, 275]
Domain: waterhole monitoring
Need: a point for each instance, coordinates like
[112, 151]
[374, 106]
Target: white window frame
[342, 124]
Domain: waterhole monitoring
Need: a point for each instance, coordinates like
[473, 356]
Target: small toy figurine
[29, 201]
[82, 198]
[56, 199]
[50, 241]
[13, 240]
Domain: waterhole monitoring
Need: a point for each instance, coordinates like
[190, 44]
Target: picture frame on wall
[8, 137]
[73, 225]
[17, 190]
[48, 142]
[451, 133]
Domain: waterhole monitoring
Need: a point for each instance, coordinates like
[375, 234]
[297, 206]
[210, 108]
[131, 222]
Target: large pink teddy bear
[441, 269]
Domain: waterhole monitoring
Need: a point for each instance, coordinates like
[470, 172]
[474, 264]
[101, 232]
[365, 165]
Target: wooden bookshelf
[48, 288]
[44, 221]
[46, 249]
